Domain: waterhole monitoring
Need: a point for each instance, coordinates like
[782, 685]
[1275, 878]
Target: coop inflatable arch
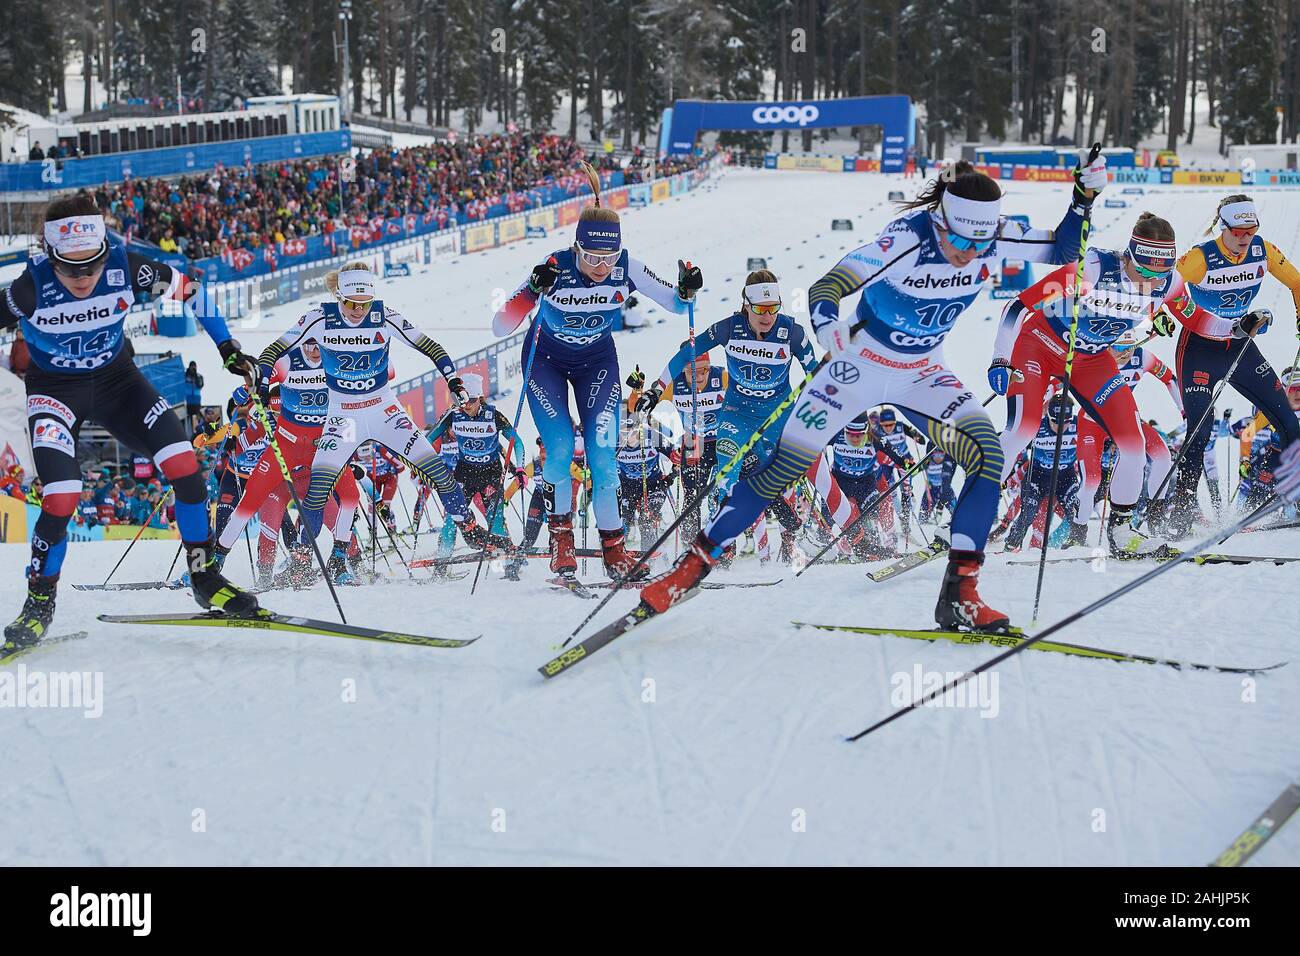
[896, 115]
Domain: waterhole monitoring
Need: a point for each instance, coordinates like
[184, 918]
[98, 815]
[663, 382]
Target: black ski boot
[211, 590]
[35, 617]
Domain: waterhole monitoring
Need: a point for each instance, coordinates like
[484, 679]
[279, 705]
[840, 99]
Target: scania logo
[802, 114]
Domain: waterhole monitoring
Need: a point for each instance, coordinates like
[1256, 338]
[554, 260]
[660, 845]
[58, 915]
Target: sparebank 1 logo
[803, 114]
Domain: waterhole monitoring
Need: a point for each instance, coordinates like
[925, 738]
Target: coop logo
[803, 114]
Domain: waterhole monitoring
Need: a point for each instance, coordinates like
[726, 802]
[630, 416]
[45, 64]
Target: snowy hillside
[712, 736]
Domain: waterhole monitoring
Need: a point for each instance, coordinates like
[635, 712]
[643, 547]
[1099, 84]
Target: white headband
[1239, 215]
[75, 234]
[764, 292]
[356, 284]
[472, 382]
[971, 218]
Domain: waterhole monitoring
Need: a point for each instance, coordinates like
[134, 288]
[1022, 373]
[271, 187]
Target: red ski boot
[960, 607]
[618, 563]
[691, 568]
[563, 559]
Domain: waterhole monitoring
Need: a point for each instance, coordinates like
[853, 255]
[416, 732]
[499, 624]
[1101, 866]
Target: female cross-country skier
[354, 333]
[1216, 283]
[916, 278]
[1121, 289]
[578, 292]
[70, 304]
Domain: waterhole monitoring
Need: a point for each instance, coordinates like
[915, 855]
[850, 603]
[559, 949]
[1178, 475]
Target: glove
[457, 389]
[1252, 323]
[263, 386]
[1000, 374]
[1163, 323]
[1089, 179]
[636, 379]
[835, 336]
[357, 471]
[1244, 469]
[649, 398]
[689, 280]
[543, 277]
[236, 361]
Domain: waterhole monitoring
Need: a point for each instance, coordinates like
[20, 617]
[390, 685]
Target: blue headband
[595, 235]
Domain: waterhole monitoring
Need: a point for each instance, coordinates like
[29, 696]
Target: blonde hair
[597, 212]
[1214, 223]
[332, 277]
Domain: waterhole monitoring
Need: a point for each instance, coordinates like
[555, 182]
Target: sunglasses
[1243, 233]
[79, 270]
[355, 303]
[599, 258]
[771, 309]
[961, 243]
[1147, 273]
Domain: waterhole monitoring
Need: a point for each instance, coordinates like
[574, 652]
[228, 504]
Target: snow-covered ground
[712, 736]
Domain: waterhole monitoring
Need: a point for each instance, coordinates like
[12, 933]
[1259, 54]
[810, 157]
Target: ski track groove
[653, 766]
[1115, 822]
[1039, 736]
[755, 797]
[87, 846]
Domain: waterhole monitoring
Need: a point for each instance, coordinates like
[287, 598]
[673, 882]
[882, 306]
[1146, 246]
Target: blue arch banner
[894, 114]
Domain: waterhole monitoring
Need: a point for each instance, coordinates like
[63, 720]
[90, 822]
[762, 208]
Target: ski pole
[875, 502]
[161, 499]
[704, 492]
[288, 478]
[1084, 228]
[1164, 566]
[514, 434]
[1200, 423]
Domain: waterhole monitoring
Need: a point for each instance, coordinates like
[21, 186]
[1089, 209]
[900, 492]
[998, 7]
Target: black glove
[649, 398]
[636, 378]
[236, 361]
[263, 386]
[543, 277]
[1251, 323]
[1162, 323]
[357, 471]
[689, 279]
[457, 389]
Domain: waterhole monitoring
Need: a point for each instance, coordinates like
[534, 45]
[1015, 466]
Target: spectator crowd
[255, 207]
